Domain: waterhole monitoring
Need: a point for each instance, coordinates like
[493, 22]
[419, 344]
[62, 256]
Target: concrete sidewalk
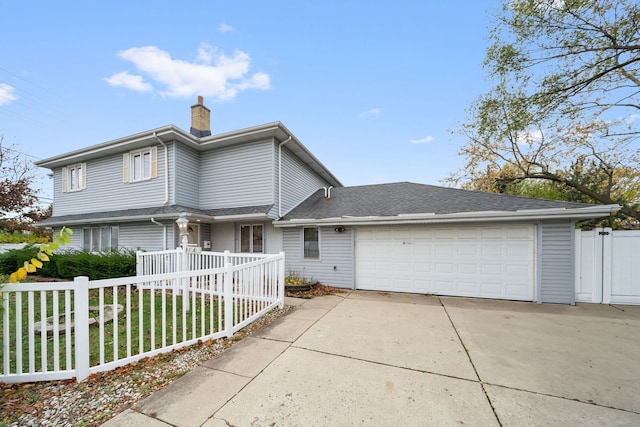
[372, 358]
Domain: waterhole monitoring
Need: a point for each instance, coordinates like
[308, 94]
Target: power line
[21, 153]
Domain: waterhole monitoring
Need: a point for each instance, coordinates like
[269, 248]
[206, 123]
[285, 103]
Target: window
[311, 240]
[74, 178]
[251, 238]
[99, 239]
[140, 165]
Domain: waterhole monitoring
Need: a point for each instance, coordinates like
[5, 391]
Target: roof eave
[115, 145]
[432, 218]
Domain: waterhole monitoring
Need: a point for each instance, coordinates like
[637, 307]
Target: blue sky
[372, 88]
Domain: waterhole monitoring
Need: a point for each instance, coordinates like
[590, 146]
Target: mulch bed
[316, 290]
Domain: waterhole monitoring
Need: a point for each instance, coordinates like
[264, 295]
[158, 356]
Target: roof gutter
[432, 218]
[280, 175]
[166, 170]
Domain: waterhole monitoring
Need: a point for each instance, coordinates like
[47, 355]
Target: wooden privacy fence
[61, 330]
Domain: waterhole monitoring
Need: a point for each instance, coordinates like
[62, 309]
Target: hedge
[70, 264]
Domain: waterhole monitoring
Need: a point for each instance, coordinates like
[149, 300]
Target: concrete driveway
[372, 358]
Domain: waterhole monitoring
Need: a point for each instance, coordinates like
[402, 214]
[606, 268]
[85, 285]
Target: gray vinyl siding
[105, 190]
[76, 238]
[187, 178]
[298, 180]
[205, 234]
[556, 258]
[240, 175]
[144, 236]
[335, 266]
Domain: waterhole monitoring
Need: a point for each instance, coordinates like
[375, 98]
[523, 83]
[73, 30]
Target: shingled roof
[143, 214]
[406, 199]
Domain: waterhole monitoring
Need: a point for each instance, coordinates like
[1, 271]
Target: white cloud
[372, 112]
[129, 81]
[212, 74]
[633, 118]
[223, 28]
[427, 139]
[7, 94]
[530, 138]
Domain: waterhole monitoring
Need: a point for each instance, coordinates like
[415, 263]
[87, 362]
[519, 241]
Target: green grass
[140, 309]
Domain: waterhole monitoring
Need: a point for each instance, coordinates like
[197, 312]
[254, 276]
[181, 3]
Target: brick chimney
[200, 119]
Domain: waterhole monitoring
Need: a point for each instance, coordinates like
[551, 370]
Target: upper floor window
[74, 178]
[311, 242]
[140, 165]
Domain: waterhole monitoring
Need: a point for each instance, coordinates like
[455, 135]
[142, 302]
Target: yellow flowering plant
[45, 251]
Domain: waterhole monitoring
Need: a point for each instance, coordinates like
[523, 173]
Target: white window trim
[251, 225]
[81, 178]
[319, 258]
[128, 164]
[102, 247]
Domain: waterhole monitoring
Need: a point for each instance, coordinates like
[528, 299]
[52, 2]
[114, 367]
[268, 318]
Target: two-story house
[128, 193]
[260, 190]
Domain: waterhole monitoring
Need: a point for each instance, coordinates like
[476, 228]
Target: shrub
[21, 237]
[11, 260]
[104, 265]
[69, 264]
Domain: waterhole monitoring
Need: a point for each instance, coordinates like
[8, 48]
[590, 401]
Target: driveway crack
[470, 361]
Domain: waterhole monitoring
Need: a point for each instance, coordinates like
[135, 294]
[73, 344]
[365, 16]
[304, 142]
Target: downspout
[166, 171]
[164, 233]
[280, 175]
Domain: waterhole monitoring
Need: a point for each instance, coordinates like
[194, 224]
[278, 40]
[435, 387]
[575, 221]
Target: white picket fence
[87, 333]
[607, 266]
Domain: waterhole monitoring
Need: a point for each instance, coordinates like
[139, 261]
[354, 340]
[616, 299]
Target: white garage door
[485, 261]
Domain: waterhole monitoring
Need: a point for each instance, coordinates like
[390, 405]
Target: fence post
[138, 263]
[228, 296]
[281, 280]
[81, 326]
[606, 265]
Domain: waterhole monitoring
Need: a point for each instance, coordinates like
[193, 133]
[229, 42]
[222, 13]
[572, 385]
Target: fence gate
[607, 266]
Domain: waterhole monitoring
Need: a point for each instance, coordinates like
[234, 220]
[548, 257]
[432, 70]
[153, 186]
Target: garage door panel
[491, 233]
[444, 250]
[445, 268]
[423, 250]
[491, 269]
[468, 268]
[482, 261]
[468, 233]
[468, 250]
[491, 249]
[491, 289]
[445, 233]
[518, 232]
[518, 249]
[444, 286]
[518, 271]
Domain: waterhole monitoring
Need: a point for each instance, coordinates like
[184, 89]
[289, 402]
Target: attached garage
[473, 261]
[405, 237]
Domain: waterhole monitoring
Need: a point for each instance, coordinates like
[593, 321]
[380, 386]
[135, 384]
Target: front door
[251, 238]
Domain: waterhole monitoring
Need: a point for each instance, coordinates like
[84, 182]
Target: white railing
[93, 326]
[190, 259]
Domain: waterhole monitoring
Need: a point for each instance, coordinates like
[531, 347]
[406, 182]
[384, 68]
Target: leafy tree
[563, 107]
[18, 199]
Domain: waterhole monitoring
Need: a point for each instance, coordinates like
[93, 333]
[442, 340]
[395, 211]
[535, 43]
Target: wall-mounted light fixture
[183, 224]
[339, 229]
